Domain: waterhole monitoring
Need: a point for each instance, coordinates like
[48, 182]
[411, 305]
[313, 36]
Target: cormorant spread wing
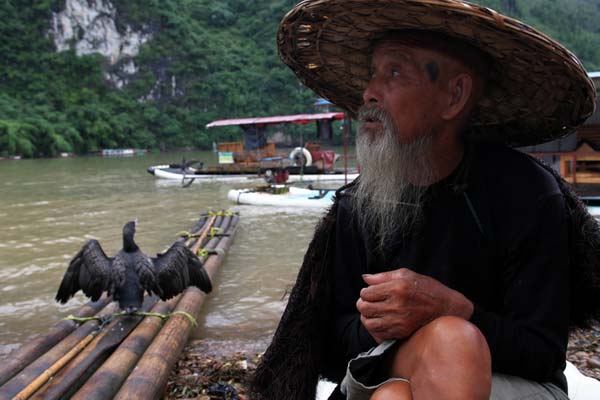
[92, 272]
[178, 268]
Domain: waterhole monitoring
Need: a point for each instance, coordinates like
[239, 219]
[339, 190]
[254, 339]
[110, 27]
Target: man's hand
[397, 303]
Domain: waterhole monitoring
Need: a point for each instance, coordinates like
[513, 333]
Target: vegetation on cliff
[211, 59]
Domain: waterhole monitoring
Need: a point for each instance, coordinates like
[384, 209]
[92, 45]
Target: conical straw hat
[537, 89]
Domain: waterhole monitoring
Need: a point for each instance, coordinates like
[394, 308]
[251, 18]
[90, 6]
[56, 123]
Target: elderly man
[454, 266]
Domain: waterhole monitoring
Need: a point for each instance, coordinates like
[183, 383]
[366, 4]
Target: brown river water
[50, 208]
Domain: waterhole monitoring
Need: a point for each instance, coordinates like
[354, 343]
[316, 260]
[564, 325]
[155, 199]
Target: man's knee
[446, 342]
[455, 334]
[394, 390]
[448, 354]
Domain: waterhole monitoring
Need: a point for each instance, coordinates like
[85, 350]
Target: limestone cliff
[89, 26]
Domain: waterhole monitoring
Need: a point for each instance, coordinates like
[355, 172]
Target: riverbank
[584, 350]
[216, 371]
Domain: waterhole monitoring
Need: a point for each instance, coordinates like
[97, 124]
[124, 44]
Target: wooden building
[577, 156]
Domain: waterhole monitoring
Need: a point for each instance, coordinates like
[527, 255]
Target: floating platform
[123, 357]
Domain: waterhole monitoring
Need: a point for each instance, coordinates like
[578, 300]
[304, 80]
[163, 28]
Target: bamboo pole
[69, 379]
[149, 378]
[221, 223]
[107, 380]
[54, 368]
[195, 244]
[26, 354]
[202, 225]
[42, 363]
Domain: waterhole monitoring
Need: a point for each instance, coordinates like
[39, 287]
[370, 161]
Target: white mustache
[372, 113]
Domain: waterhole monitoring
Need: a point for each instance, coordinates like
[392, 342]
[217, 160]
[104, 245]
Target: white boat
[294, 197]
[122, 152]
[168, 172]
[595, 211]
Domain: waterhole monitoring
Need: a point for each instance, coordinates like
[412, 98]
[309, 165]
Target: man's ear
[460, 90]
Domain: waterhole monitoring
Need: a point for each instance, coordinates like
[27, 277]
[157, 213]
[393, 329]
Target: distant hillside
[171, 66]
[574, 23]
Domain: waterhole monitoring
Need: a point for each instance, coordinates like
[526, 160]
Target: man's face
[404, 83]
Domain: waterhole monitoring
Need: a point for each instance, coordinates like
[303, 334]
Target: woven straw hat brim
[537, 90]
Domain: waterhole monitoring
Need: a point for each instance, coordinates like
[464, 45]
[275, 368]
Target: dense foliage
[222, 54]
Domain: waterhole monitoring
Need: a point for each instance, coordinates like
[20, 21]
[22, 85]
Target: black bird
[130, 272]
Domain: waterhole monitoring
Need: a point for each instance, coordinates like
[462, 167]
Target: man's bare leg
[446, 359]
[397, 390]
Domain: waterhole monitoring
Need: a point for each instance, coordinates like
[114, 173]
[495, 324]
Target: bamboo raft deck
[129, 357]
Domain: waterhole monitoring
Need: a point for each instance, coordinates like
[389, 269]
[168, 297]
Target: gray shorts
[363, 377]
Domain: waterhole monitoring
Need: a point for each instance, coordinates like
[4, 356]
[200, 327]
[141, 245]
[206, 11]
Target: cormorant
[130, 272]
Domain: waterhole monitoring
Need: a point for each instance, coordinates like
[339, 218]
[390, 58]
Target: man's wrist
[460, 306]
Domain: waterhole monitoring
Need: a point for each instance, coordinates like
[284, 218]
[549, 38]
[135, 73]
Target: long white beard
[394, 176]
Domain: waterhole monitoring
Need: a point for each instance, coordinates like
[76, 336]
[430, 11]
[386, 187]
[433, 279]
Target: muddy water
[49, 208]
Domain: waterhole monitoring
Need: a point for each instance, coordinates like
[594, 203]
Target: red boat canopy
[301, 119]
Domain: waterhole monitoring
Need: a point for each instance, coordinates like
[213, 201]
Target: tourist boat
[283, 196]
[176, 172]
[256, 157]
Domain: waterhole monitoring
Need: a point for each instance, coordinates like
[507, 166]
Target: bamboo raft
[127, 357]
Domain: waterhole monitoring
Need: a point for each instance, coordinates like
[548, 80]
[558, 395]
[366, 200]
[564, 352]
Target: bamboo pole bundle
[149, 377]
[42, 363]
[107, 380]
[146, 380]
[70, 378]
[20, 358]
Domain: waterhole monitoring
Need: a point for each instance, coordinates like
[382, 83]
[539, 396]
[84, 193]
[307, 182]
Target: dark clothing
[501, 240]
[513, 224]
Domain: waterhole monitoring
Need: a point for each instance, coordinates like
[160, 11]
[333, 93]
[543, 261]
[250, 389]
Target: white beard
[394, 176]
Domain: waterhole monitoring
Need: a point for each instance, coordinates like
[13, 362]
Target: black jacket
[497, 231]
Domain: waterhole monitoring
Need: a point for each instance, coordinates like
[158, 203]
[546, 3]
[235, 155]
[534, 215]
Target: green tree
[16, 138]
[206, 60]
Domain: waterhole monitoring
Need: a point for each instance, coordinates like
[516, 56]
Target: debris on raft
[202, 377]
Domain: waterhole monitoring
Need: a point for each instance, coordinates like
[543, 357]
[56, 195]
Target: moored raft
[128, 357]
